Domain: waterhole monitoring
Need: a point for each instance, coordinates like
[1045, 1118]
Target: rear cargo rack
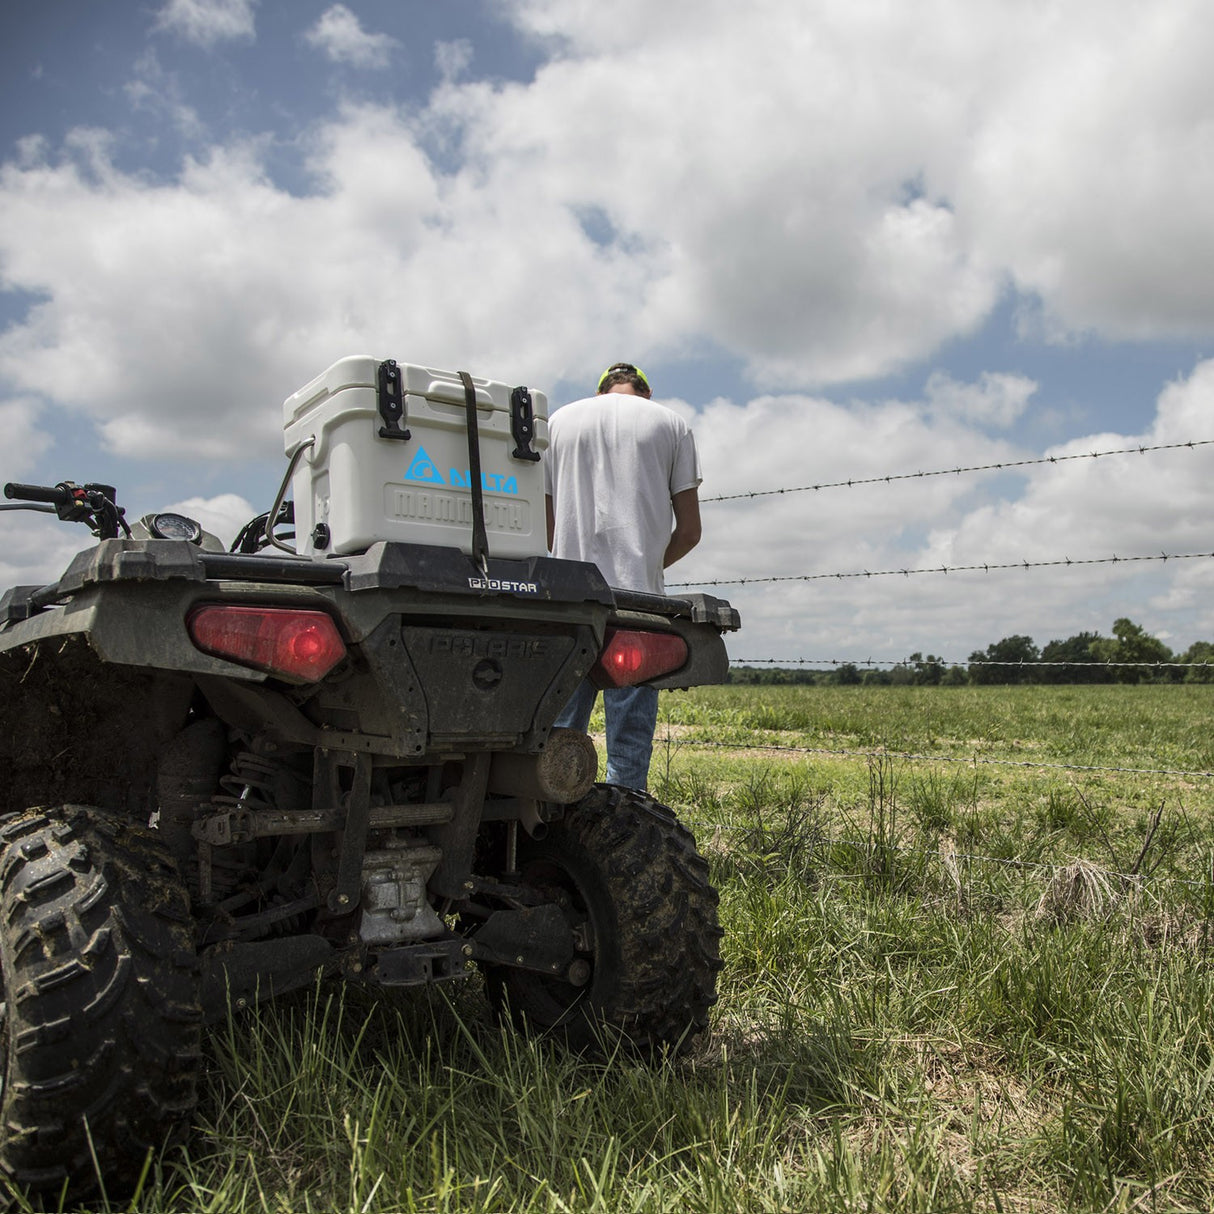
[699, 608]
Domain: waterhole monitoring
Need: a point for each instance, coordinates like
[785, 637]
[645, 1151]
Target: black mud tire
[629, 877]
[101, 1032]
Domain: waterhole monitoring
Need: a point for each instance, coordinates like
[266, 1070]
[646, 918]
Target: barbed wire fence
[974, 759]
[1064, 562]
[976, 567]
[983, 567]
[1007, 465]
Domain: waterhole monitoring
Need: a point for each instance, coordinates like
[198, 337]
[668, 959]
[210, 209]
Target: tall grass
[946, 988]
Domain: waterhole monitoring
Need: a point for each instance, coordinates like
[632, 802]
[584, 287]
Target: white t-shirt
[613, 463]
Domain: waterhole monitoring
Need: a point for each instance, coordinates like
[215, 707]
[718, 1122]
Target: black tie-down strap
[480, 543]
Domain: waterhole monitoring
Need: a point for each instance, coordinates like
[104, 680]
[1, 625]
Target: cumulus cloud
[23, 440]
[198, 304]
[781, 448]
[1114, 504]
[998, 399]
[838, 552]
[453, 58]
[207, 22]
[339, 34]
[1084, 509]
[864, 179]
[805, 536]
[156, 91]
[826, 215]
[36, 548]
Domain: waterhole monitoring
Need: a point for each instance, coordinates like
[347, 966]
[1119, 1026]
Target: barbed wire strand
[985, 567]
[853, 482]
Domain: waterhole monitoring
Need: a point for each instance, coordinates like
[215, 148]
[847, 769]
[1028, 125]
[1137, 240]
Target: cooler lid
[353, 371]
[362, 371]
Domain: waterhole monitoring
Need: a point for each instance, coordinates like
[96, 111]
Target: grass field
[962, 972]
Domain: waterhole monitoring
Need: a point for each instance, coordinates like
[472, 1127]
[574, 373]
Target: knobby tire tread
[657, 937]
[101, 985]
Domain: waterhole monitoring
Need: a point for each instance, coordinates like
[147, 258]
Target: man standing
[621, 480]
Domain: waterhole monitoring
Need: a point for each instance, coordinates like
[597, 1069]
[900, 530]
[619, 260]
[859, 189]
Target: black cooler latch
[391, 401]
[522, 424]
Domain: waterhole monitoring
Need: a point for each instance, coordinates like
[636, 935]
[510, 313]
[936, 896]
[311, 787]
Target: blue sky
[846, 239]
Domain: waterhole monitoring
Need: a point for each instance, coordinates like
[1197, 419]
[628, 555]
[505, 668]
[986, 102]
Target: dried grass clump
[1079, 892]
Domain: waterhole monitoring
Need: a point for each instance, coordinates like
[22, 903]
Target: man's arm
[686, 533]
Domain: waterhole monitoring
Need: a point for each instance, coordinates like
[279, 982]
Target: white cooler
[389, 460]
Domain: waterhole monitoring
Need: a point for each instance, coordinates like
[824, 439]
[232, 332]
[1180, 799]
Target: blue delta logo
[425, 470]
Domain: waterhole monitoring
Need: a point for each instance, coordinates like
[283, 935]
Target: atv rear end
[232, 773]
[229, 773]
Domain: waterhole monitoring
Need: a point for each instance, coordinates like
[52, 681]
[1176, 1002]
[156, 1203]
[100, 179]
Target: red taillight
[282, 640]
[629, 658]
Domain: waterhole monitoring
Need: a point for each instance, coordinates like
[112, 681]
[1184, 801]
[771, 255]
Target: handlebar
[37, 493]
[93, 505]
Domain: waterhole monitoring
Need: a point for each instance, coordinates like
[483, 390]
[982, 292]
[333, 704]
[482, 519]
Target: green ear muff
[629, 367]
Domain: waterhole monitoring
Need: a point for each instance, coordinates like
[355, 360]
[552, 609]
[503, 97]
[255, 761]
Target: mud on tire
[100, 1000]
[629, 878]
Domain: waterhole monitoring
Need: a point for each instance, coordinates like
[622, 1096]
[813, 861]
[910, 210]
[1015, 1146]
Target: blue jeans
[632, 716]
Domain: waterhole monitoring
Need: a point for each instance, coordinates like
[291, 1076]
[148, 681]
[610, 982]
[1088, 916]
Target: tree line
[1130, 655]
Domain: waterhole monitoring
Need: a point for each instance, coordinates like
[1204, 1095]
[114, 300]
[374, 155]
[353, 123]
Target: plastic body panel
[442, 657]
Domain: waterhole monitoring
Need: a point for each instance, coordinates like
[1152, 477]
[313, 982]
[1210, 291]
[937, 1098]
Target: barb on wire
[889, 479]
[985, 567]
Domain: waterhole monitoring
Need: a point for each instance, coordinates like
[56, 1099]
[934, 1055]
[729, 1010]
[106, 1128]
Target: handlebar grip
[34, 493]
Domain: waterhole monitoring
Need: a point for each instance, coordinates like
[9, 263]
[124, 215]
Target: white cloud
[207, 22]
[23, 440]
[199, 304]
[1081, 509]
[1132, 504]
[997, 399]
[340, 35]
[453, 58]
[863, 180]
[833, 211]
[156, 91]
[36, 548]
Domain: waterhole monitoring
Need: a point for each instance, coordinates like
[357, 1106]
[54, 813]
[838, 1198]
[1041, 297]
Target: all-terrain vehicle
[228, 772]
